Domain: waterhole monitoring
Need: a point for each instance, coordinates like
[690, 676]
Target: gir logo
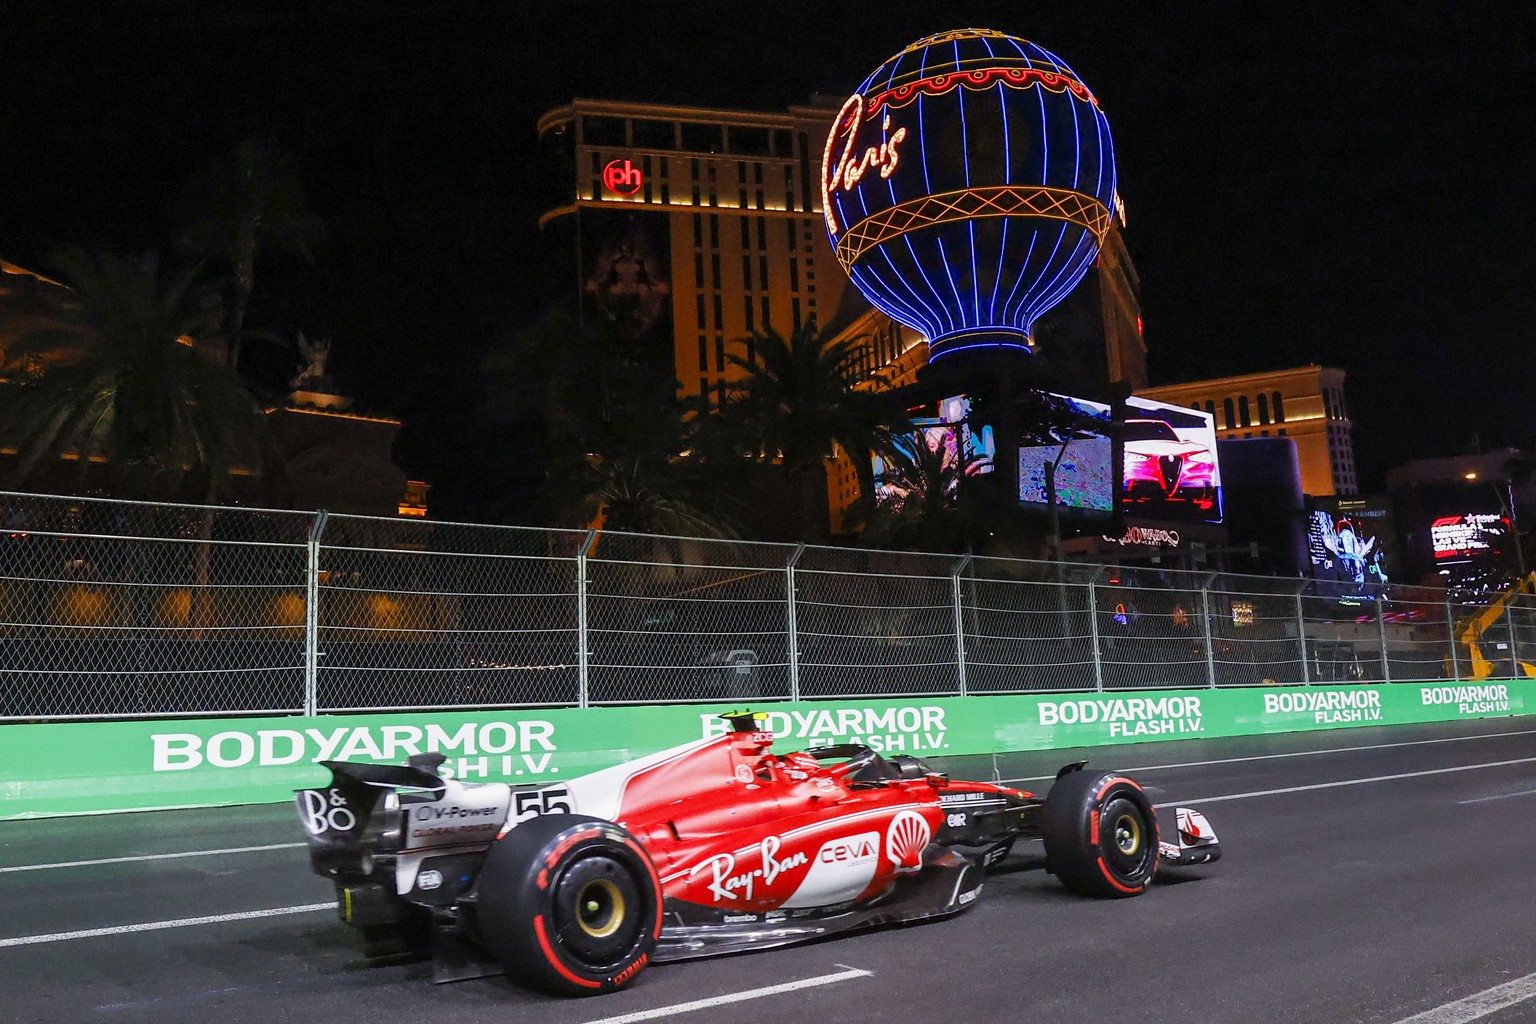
[623, 177]
[905, 840]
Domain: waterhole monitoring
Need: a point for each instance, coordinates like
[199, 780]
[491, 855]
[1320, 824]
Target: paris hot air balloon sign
[967, 186]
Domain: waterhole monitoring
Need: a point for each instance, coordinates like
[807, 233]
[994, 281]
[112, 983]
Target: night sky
[1305, 182]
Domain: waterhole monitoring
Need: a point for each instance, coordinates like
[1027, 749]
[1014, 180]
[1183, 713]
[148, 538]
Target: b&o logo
[327, 812]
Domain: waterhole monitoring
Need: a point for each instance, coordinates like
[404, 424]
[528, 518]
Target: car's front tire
[570, 904]
[1100, 834]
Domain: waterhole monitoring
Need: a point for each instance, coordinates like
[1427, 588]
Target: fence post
[582, 653]
[793, 627]
[1205, 626]
[312, 614]
[1450, 632]
[1301, 637]
[954, 578]
[1381, 634]
[1510, 607]
[1093, 631]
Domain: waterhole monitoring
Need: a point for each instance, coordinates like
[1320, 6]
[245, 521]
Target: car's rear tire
[1100, 834]
[570, 904]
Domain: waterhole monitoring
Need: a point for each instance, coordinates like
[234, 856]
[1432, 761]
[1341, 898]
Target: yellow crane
[1475, 628]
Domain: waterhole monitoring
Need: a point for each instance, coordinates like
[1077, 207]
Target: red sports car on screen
[1159, 466]
[715, 846]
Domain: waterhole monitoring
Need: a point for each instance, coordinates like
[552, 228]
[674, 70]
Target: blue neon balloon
[967, 186]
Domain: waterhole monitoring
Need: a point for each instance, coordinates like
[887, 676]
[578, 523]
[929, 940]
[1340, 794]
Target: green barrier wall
[79, 768]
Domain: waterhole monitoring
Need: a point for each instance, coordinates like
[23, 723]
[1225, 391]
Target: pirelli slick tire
[570, 904]
[1100, 834]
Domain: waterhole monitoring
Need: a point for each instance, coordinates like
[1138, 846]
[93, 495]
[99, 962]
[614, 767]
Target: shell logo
[905, 840]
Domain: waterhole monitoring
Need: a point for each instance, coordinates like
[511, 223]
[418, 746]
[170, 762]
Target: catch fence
[115, 609]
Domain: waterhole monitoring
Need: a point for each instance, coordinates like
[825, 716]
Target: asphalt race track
[1370, 875]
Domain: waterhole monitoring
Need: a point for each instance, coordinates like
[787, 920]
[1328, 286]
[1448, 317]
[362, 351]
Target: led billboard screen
[1470, 537]
[1171, 471]
[1085, 472]
[945, 446]
[1349, 545]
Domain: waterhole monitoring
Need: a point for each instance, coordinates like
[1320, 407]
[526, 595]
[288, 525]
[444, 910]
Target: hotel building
[1305, 404]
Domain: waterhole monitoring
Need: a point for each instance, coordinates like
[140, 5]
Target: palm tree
[799, 401]
[247, 201]
[599, 438]
[125, 380]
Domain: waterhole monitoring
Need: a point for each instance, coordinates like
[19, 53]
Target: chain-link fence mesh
[113, 608]
[681, 620]
[875, 622]
[419, 614]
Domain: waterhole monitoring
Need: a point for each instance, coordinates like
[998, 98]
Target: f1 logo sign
[622, 177]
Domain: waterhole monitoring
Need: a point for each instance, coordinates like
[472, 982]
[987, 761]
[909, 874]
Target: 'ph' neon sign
[622, 177]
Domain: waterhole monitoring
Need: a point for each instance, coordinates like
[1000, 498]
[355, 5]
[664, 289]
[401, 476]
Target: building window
[1242, 411]
[714, 269]
[766, 321]
[714, 232]
[746, 273]
[746, 233]
[602, 131]
[746, 304]
[1226, 407]
[794, 273]
[703, 355]
[1210, 409]
[701, 138]
[805, 173]
[1263, 409]
[1278, 406]
[719, 314]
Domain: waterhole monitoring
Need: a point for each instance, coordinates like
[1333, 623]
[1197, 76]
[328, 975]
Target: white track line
[846, 974]
[1497, 796]
[1299, 753]
[149, 856]
[155, 926]
[1478, 1004]
[1345, 782]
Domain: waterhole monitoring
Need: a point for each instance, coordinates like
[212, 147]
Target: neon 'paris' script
[847, 171]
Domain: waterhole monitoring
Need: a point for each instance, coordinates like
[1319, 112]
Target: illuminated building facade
[695, 227]
[1305, 404]
[333, 456]
[692, 227]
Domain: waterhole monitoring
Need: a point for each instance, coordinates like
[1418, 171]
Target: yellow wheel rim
[1127, 833]
[599, 908]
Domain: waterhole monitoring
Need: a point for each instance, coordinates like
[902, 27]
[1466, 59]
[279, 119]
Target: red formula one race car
[716, 846]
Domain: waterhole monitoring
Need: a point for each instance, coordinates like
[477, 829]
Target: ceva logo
[856, 850]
